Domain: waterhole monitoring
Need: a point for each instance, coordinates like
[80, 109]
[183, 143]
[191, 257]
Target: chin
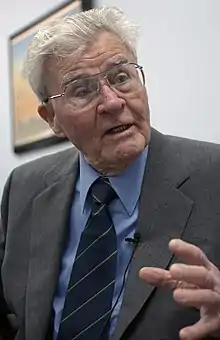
[119, 160]
[116, 158]
[129, 150]
[128, 156]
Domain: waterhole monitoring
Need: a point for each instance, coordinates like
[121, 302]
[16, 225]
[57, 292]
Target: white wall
[179, 49]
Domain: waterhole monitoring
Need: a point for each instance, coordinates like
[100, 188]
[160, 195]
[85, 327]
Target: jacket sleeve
[6, 331]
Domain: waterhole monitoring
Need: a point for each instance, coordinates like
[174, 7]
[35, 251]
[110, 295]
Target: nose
[110, 102]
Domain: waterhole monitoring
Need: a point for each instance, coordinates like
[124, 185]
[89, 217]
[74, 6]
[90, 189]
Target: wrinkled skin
[195, 284]
[88, 129]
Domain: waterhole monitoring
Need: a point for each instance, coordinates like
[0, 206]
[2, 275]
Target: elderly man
[92, 235]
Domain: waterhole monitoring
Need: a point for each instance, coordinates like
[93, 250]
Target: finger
[196, 298]
[189, 253]
[196, 275]
[200, 330]
[161, 278]
[156, 276]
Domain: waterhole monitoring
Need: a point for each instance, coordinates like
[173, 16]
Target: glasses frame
[104, 74]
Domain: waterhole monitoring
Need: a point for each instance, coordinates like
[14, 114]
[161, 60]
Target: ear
[46, 112]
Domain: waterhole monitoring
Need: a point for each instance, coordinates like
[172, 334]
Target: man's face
[114, 127]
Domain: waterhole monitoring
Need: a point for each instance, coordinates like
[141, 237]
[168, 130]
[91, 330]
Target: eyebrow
[69, 78]
[117, 61]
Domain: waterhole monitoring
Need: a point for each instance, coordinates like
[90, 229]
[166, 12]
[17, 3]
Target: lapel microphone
[134, 240]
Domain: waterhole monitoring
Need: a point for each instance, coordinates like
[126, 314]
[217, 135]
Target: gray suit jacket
[180, 198]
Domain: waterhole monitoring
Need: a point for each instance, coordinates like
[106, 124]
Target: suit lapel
[50, 217]
[163, 214]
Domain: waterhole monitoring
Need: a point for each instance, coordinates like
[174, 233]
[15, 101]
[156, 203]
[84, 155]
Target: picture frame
[29, 130]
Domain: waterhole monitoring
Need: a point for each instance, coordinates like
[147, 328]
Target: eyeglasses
[123, 78]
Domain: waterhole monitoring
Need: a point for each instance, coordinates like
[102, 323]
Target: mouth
[119, 129]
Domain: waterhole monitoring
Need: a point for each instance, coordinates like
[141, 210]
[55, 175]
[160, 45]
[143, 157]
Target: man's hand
[196, 284]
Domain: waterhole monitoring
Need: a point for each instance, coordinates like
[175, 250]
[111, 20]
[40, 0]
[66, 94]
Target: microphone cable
[135, 241]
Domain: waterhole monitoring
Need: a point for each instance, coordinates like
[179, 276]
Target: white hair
[71, 34]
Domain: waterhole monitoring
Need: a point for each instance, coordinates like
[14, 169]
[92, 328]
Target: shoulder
[192, 146]
[185, 151]
[31, 176]
[42, 165]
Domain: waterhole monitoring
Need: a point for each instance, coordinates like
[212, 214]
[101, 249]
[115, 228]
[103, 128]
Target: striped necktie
[89, 295]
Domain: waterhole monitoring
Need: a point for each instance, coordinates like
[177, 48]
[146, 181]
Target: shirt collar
[128, 194]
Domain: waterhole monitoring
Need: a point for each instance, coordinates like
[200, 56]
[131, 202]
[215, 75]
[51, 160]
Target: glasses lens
[81, 91]
[126, 78]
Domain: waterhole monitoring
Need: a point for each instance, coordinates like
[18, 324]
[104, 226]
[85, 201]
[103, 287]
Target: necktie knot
[102, 192]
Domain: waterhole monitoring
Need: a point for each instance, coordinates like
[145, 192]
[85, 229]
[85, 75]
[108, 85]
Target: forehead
[106, 50]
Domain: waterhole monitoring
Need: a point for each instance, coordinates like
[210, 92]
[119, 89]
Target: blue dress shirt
[124, 212]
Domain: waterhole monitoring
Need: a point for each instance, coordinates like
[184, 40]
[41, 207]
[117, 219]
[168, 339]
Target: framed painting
[29, 131]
